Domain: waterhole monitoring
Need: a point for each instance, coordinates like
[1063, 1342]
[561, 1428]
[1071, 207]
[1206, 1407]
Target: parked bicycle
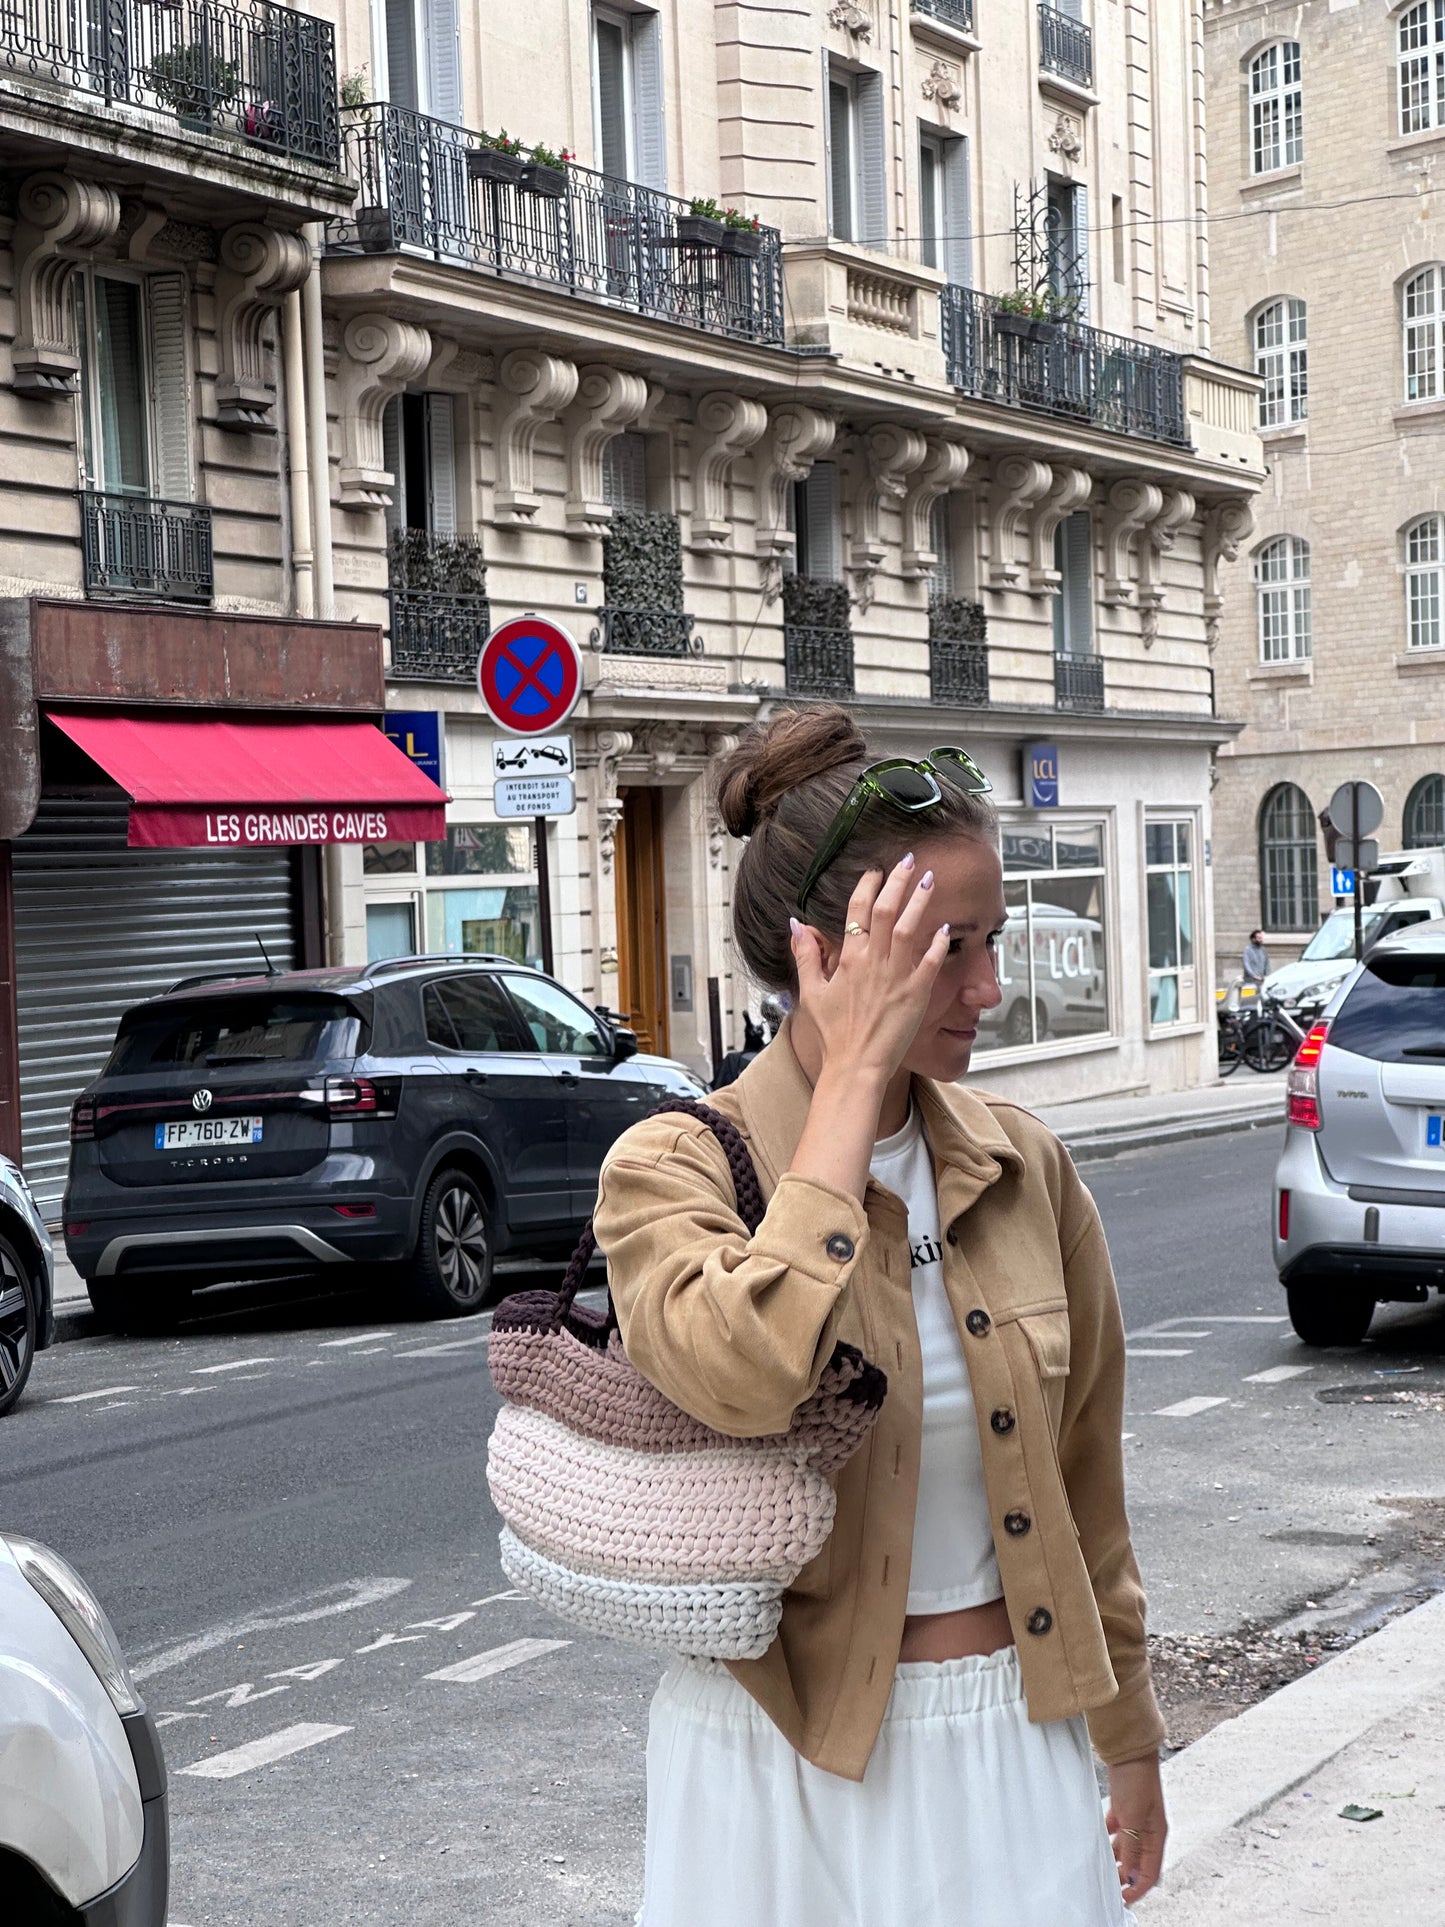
[1271, 1035]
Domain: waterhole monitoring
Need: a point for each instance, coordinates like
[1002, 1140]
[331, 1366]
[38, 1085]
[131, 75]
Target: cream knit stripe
[717, 1514]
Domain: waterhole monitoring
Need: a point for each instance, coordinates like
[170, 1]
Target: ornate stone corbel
[1070, 489]
[1130, 504]
[887, 456]
[728, 426]
[60, 217]
[608, 401]
[1018, 482]
[612, 746]
[259, 266]
[1226, 525]
[852, 19]
[943, 469]
[379, 356]
[534, 388]
[1155, 541]
[942, 84]
[799, 437]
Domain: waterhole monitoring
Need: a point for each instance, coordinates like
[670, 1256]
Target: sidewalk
[1254, 1807]
[1099, 1127]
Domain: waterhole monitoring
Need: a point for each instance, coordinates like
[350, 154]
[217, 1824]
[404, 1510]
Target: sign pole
[1359, 876]
[544, 894]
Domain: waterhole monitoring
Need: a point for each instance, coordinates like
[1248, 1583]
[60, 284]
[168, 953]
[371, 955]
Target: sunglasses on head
[913, 785]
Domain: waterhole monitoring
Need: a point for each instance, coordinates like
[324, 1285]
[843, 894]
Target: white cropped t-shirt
[954, 1562]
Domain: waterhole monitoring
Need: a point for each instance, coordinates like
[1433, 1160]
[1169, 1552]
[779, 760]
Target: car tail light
[82, 1119]
[1303, 1083]
[1284, 1217]
[362, 1096]
[77, 1227]
[354, 1210]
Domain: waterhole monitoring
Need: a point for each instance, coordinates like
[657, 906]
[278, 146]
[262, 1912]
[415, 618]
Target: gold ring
[854, 930]
[1131, 1833]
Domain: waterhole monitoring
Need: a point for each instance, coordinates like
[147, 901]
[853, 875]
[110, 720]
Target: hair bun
[776, 757]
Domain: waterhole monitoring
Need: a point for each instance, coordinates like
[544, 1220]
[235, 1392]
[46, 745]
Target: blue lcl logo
[1041, 776]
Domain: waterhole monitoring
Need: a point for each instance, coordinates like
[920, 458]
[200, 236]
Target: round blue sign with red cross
[530, 675]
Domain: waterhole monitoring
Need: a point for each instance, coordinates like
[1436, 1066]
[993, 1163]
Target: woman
[912, 1751]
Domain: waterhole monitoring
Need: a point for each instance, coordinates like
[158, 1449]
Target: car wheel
[137, 1304]
[1324, 1314]
[18, 1321]
[1016, 1028]
[453, 1263]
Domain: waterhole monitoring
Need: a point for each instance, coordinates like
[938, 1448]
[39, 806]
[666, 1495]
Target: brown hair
[781, 788]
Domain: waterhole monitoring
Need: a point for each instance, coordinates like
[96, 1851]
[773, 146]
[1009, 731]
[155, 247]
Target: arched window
[1276, 122]
[1422, 67]
[1282, 599]
[1423, 317]
[1280, 362]
[1424, 587]
[1425, 814]
[1288, 864]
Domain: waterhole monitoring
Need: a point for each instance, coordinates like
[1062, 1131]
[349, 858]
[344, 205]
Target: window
[853, 132]
[943, 227]
[627, 116]
[1423, 314]
[1052, 957]
[1276, 124]
[1074, 600]
[470, 1013]
[423, 57]
[390, 930]
[1169, 888]
[1066, 219]
[556, 1021]
[1424, 554]
[418, 437]
[940, 540]
[1282, 599]
[1288, 861]
[815, 524]
[135, 392]
[1280, 361]
[1116, 226]
[1422, 67]
[1425, 814]
[624, 471]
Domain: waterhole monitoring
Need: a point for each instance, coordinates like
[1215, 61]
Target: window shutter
[1080, 240]
[611, 102]
[170, 386]
[940, 541]
[442, 463]
[444, 60]
[624, 471]
[932, 220]
[957, 261]
[391, 458]
[1071, 9]
[820, 493]
[1078, 586]
[871, 168]
[401, 53]
[838, 134]
[648, 121]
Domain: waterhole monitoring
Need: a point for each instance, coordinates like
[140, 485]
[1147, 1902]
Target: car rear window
[1396, 1011]
[209, 1034]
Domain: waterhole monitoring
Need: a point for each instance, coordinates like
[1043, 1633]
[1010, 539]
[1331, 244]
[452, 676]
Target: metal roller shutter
[99, 927]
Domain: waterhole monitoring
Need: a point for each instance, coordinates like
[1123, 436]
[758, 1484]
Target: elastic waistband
[922, 1689]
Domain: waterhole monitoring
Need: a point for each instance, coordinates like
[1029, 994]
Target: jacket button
[1016, 1524]
[839, 1246]
[978, 1322]
[1040, 1620]
[1002, 1421]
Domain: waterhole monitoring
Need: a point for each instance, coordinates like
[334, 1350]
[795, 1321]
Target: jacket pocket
[1047, 1333]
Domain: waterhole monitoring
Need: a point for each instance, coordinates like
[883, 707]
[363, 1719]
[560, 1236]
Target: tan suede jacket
[736, 1330]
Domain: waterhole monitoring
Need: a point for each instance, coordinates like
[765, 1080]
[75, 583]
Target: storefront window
[1053, 955]
[390, 930]
[500, 920]
[388, 859]
[1169, 882]
[482, 849]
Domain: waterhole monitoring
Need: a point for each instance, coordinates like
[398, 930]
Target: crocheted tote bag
[626, 1516]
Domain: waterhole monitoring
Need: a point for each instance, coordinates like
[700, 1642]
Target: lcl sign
[1041, 776]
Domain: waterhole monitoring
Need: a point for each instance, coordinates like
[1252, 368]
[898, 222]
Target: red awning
[246, 782]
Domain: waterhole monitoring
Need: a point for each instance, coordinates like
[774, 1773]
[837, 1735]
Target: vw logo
[201, 1100]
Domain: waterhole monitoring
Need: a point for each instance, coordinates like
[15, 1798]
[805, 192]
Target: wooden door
[642, 986]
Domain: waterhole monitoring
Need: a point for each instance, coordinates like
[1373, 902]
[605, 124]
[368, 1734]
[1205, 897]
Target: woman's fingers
[892, 896]
[914, 916]
[864, 899]
[807, 957]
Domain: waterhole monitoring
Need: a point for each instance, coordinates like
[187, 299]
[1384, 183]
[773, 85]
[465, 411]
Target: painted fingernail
[794, 926]
[925, 882]
[943, 929]
[907, 863]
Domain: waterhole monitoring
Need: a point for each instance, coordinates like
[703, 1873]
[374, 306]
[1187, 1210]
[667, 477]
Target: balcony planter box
[1025, 326]
[549, 182]
[490, 164]
[696, 230]
[742, 240]
[195, 120]
[373, 229]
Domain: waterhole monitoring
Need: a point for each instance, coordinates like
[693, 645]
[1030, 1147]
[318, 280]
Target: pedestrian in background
[1256, 958]
[895, 1757]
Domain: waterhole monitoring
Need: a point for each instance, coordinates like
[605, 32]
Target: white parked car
[27, 1281]
[84, 1834]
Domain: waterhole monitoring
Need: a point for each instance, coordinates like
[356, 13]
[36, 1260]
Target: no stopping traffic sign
[530, 675]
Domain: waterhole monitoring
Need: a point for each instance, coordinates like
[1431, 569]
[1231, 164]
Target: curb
[1106, 1143]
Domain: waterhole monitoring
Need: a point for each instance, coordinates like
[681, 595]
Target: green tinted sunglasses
[913, 785]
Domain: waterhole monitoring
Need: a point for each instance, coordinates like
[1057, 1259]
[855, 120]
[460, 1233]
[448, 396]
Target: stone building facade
[1326, 127]
[933, 427]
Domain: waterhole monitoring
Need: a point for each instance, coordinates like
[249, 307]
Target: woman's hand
[1136, 1824]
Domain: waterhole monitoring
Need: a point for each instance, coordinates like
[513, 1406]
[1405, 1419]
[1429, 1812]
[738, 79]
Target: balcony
[645, 632]
[1063, 367]
[427, 187]
[948, 13]
[136, 547]
[1066, 46]
[1079, 682]
[260, 73]
[818, 662]
[440, 615]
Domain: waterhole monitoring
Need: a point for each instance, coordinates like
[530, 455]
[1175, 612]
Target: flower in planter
[192, 80]
[503, 143]
[543, 156]
[706, 210]
[735, 218]
[356, 87]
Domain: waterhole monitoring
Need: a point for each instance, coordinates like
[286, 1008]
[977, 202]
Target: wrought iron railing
[645, 632]
[953, 13]
[1078, 681]
[958, 672]
[136, 546]
[246, 68]
[1063, 367]
[818, 662]
[1066, 46]
[433, 188]
[437, 638]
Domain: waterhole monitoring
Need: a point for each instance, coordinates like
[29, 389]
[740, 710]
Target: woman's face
[967, 895]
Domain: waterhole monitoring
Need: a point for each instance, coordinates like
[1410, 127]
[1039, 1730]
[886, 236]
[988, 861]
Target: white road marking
[1189, 1407]
[492, 1597]
[360, 1338]
[188, 1391]
[390, 1639]
[1277, 1374]
[1178, 1334]
[79, 1398]
[243, 1695]
[1181, 1351]
[313, 1669]
[439, 1351]
[265, 1751]
[356, 1593]
[119, 1406]
[370, 1352]
[517, 1652]
[448, 1623]
[236, 1365]
[1124, 1437]
[1251, 1318]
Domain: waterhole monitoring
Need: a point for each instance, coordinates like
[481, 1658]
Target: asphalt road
[285, 1512]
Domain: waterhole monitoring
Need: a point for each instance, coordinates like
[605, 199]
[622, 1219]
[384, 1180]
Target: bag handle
[746, 1189]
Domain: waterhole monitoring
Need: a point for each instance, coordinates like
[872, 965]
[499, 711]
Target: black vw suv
[421, 1114]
